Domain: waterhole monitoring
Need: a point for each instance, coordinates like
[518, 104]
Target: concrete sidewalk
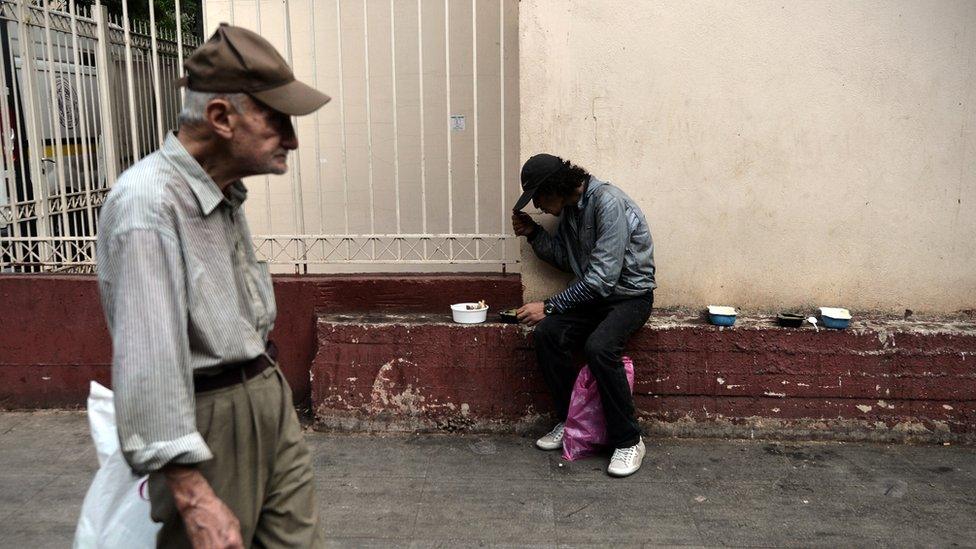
[475, 491]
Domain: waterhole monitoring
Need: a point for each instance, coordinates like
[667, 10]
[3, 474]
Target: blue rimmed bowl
[835, 317]
[720, 315]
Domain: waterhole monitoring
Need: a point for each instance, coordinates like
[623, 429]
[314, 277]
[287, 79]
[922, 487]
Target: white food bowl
[464, 316]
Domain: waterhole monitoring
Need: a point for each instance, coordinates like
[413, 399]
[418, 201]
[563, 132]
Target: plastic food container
[721, 315]
[834, 317]
[790, 320]
[463, 315]
[509, 316]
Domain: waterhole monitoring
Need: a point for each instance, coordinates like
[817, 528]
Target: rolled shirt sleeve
[151, 374]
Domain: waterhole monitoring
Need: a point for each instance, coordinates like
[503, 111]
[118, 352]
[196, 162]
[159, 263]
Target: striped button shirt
[183, 293]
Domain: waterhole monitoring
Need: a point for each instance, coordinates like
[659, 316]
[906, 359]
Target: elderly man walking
[200, 401]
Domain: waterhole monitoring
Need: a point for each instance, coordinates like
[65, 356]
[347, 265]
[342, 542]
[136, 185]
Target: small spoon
[813, 320]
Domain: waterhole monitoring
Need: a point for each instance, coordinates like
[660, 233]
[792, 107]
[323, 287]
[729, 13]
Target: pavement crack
[578, 510]
[30, 498]
[420, 500]
[11, 428]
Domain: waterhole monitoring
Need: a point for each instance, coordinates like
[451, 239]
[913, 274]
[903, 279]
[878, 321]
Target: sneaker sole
[622, 475]
[548, 448]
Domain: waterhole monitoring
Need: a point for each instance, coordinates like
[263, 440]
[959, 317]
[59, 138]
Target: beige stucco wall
[785, 153]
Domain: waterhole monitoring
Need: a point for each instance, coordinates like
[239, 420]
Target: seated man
[603, 239]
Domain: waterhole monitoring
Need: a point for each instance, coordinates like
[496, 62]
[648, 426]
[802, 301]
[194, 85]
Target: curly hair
[564, 182]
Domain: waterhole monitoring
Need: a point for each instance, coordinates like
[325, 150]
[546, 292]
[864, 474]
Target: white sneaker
[626, 461]
[553, 440]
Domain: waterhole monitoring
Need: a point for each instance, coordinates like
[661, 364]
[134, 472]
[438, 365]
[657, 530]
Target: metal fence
[406, 168]
[84, 95]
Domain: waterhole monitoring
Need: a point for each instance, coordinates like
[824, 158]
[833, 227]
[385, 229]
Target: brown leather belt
[236, 372]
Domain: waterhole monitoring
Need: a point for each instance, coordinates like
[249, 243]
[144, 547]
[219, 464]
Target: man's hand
[210, 524]
[531, 313]
[522, 224]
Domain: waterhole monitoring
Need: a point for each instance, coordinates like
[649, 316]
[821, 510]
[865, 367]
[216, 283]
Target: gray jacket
[603, 240]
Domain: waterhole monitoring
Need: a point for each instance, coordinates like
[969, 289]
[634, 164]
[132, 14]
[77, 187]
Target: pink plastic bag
[586, 429]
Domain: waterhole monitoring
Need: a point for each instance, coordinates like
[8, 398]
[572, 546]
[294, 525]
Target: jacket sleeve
[551, 248]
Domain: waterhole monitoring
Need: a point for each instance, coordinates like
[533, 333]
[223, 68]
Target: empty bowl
[789, 320]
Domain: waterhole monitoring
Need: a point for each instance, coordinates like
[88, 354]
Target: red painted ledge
[880, 379]
[53, 337]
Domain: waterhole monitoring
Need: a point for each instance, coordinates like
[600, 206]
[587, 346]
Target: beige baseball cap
[236, 60]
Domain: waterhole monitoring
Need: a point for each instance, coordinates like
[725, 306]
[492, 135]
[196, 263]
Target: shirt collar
[206, 191]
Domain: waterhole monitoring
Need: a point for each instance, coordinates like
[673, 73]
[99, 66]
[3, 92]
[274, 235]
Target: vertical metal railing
[88, 92]
[423, 123]
[501, 134]
[396, 127]
[448, 117]
[85, 94]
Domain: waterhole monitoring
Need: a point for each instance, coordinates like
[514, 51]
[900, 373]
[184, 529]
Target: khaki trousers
[261, 469]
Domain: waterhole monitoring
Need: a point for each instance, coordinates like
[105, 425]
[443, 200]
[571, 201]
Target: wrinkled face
[262, 139]
[549, 203]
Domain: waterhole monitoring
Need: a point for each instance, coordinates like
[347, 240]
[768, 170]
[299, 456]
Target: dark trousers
[601, 328]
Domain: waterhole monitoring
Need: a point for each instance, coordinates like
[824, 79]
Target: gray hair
[195, 104]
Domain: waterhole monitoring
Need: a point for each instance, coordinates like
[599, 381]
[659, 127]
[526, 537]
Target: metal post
[55, 127]
[296, 173]
[342, 124]
[155, 69]
[450, 169]
[86, 179]
[396, 132]
[143, 94]
[22, 250]
[9, 172]
[369, 126]
[136, 152]
[267, 180]
[423, 150]
[28, 97]
[474, 86]
[501, 90]
[179, 46]
[104, 67]
[318, 151]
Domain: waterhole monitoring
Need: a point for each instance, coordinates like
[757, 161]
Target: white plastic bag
[115, 514]
[101, 419]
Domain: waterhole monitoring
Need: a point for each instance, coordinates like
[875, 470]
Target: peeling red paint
[370, 369]
[685, 371]
[52, 325]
